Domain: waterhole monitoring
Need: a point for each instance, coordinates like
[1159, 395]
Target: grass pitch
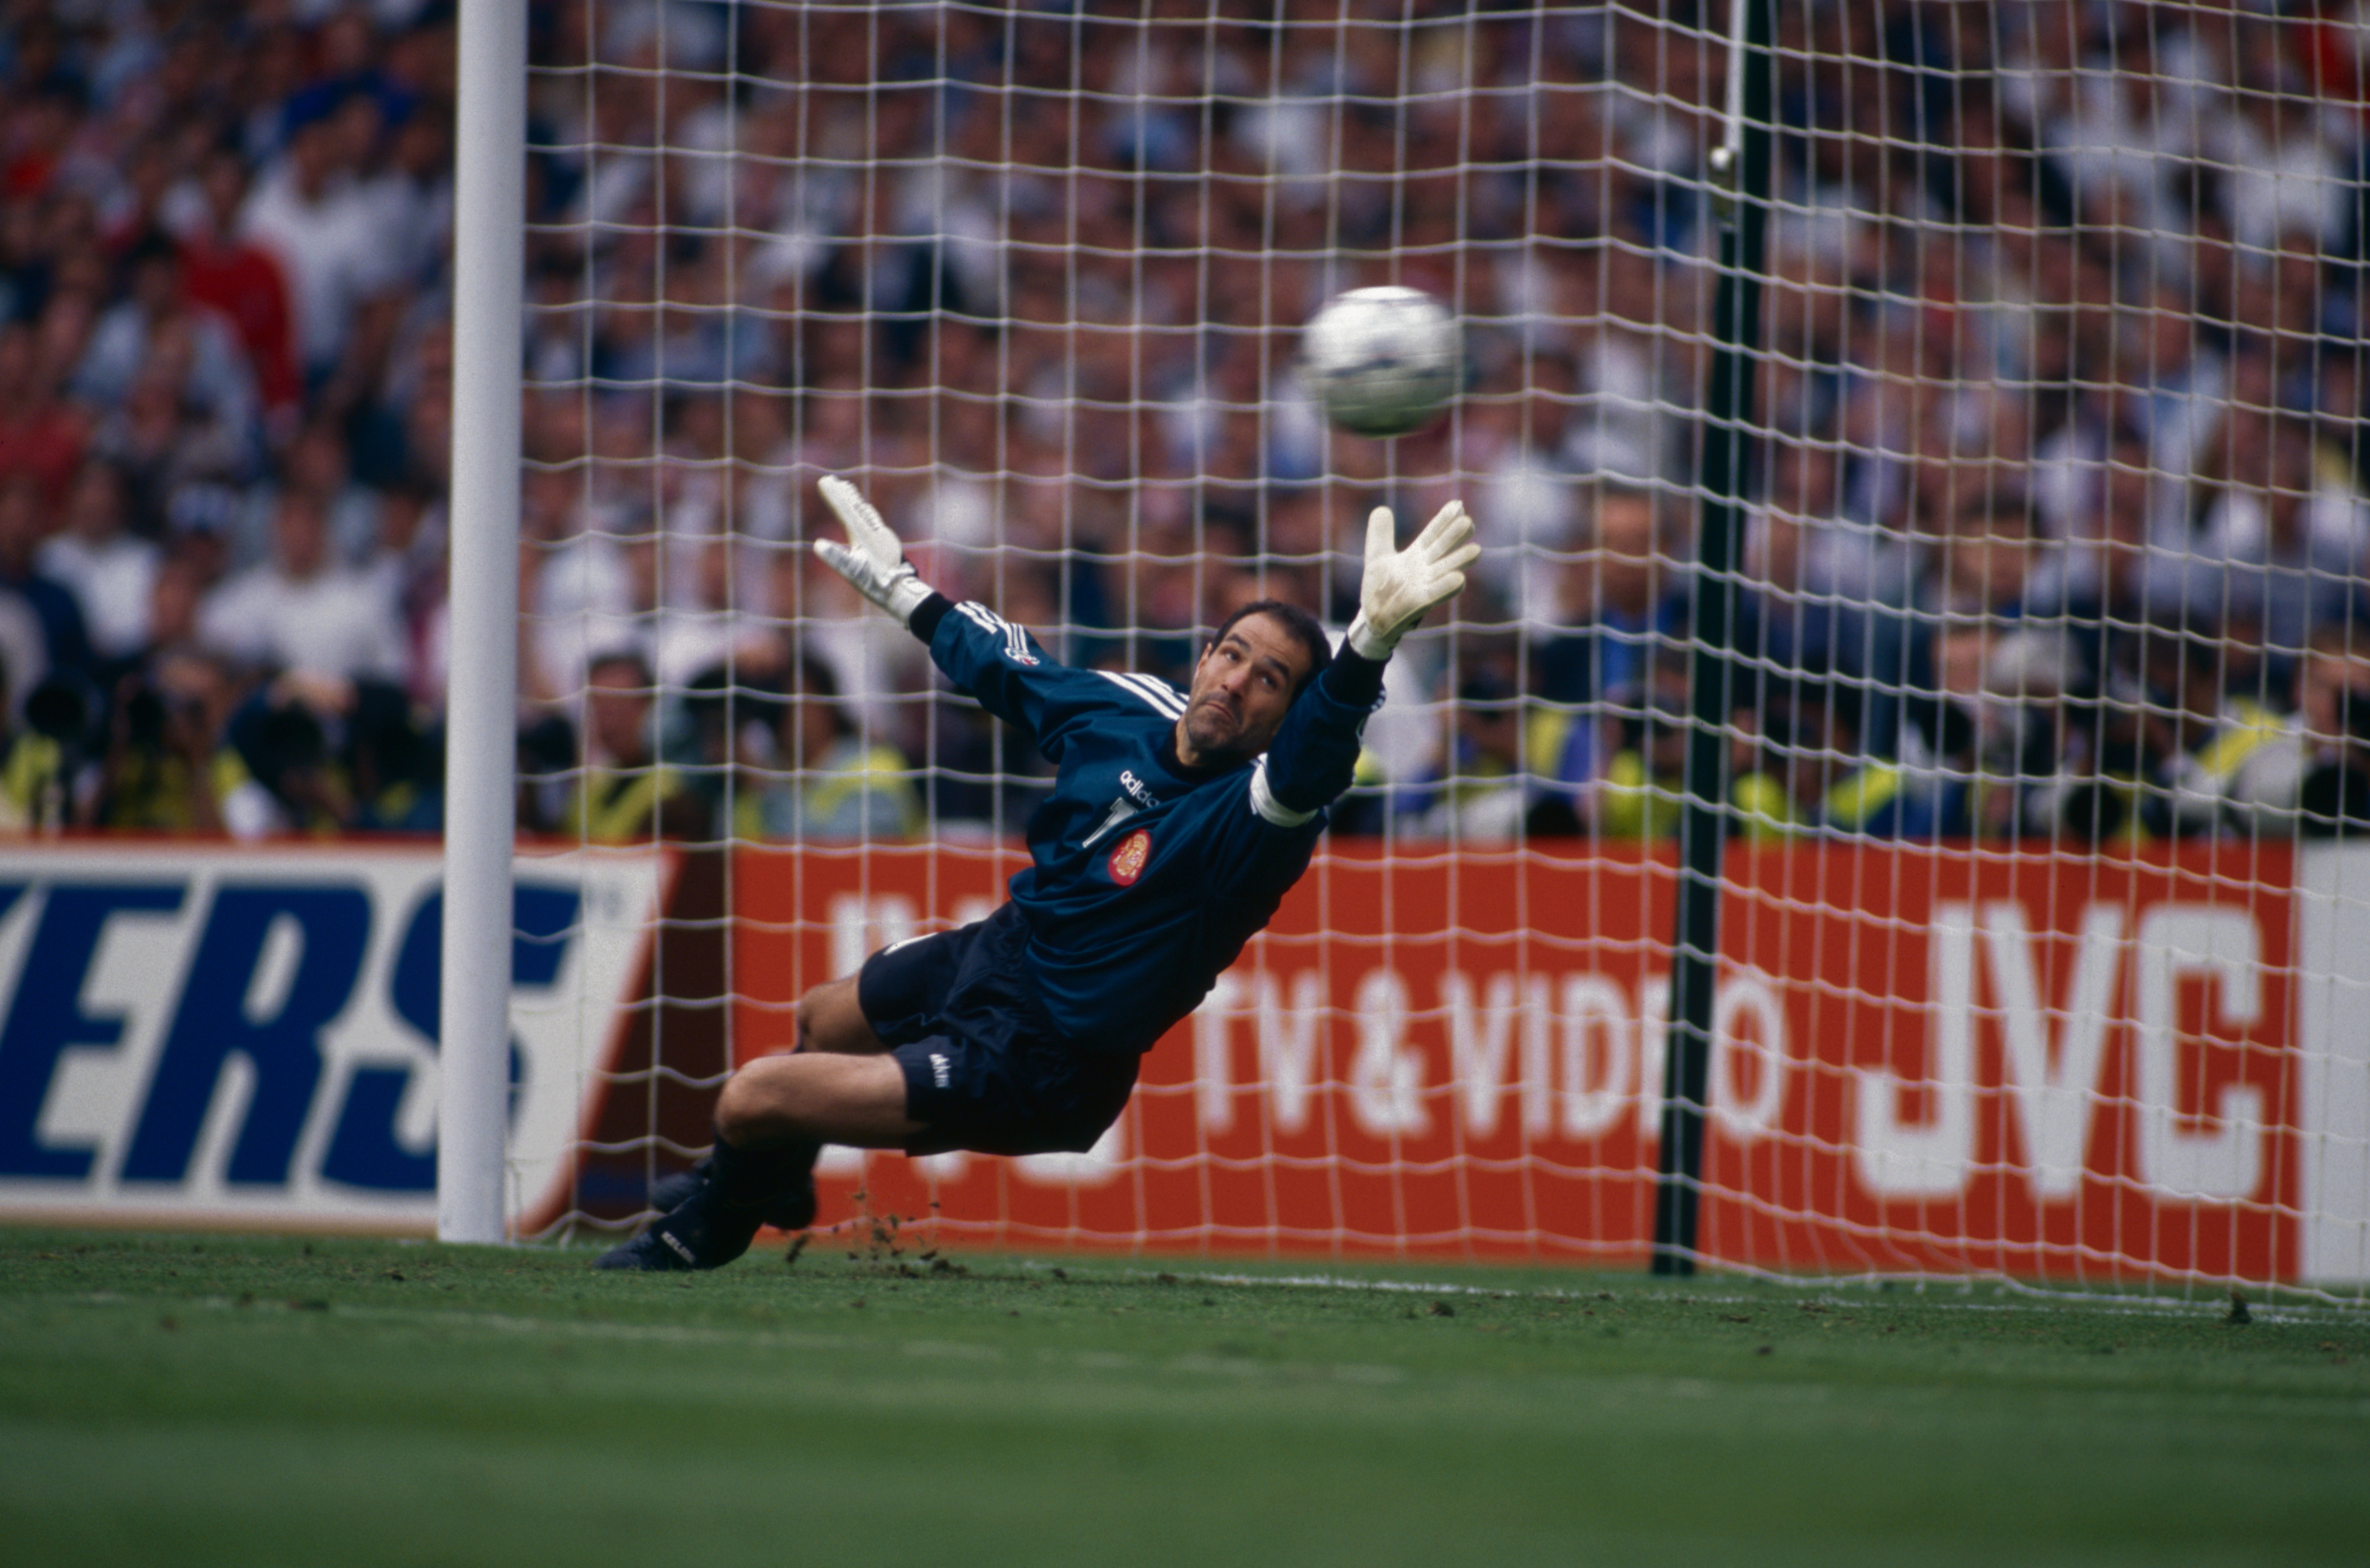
[201, 1399]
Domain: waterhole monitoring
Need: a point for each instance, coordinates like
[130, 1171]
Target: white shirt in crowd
[337, 623]
[334, 249]
[113, 579]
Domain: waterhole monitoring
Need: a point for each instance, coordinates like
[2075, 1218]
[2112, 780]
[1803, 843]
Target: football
[1382, 361]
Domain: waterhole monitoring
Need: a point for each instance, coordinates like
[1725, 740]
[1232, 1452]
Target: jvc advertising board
[1924, 1060]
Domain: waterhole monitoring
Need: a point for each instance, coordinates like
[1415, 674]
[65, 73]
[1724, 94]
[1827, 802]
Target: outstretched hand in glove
[873, 559]
[1400, 585]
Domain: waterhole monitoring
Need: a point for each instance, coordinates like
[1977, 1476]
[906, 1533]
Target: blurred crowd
[2055, 528]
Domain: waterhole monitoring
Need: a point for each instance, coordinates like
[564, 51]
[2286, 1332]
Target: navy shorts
[982, 1070]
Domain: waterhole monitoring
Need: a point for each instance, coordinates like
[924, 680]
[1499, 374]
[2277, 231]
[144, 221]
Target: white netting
[2049, 560]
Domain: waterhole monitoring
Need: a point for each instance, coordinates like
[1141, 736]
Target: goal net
[2041, 943]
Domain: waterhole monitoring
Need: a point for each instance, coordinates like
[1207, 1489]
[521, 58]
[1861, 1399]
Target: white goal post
[488, 268]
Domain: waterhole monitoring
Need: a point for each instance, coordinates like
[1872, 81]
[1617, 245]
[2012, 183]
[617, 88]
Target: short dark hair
[813, 679]
[1996, 505]
[1303, 627]
[1788, 701]
[625, 657]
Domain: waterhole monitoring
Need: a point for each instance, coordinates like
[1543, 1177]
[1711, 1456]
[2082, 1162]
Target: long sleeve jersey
[1145, 877]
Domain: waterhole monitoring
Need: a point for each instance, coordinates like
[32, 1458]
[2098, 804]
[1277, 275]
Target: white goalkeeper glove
[1400, 585]
[873, 559]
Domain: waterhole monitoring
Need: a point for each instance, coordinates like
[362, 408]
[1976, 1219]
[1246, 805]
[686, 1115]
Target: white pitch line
[2029, 1298]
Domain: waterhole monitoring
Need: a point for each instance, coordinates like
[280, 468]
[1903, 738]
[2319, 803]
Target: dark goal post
[1741, 172]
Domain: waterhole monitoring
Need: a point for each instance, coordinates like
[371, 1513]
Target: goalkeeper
[1175, 825]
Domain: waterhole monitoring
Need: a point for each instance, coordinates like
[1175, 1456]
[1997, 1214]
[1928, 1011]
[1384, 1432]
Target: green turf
[191, 1399]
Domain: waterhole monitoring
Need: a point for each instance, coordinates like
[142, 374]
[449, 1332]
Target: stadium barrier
[1926, 1062]
[1923, 1062]
[197, 1035]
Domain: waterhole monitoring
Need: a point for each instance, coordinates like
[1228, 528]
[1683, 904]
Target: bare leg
[840, 1086]
[831, 1019]
[818, 1097]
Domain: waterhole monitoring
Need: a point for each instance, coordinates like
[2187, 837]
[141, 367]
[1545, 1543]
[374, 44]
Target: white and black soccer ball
[1382, 361]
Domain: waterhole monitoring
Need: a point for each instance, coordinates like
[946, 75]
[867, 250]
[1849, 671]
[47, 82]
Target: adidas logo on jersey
[942, 1072]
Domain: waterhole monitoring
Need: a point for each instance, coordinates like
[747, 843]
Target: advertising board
[1924, 1061]
[199, 1035]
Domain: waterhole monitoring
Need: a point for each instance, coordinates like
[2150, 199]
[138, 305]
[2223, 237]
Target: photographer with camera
[2315, 781]
[38, 757]
[166, 768]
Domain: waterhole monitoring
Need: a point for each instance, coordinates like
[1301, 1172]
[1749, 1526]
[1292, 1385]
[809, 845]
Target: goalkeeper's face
[1242, 689]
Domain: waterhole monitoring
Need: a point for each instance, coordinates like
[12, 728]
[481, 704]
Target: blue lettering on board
[46, 1018]
[364, 1151]
[211, 1024]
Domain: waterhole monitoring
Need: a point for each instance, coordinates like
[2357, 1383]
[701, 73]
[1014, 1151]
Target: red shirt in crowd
[244, 283]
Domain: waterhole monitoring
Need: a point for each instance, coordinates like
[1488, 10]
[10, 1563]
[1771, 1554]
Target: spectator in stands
[2313, 778]
[576, 583]
[302, 609]
[725, 742]
[1981, 565]
[2280, 532]
[1941, 708]
[1644, 786]
[2284, 175]
[223, 269]
[319, 460]
[291, 783]
[111, 574]
[827, 782]
[547, 771]
[2333, 799]
[2199, 745]
[2111, 129]
[1530, 501]
[65, 643]
[199, 518]
[167, 768]
[394, 771]
[1491, 791]
[2146, 263]
[409, 570]
[156, 323]
[1977, 567]
[158, 446]
[2116, 572]
[2005, 752]
[2168, 380]
[42, 433]
[32, 781]
[1818, 778]
[1814, 575]
[700, 627]
[409, 194]
[307, 212]
[174, 597]
[625, 794]
[1625, 594]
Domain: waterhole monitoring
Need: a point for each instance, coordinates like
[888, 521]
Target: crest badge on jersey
[1128, 860]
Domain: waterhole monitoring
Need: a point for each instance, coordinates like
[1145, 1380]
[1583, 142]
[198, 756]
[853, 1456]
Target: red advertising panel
[1923, 1060]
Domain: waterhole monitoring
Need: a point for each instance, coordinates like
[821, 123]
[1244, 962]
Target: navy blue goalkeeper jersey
[1145, 877]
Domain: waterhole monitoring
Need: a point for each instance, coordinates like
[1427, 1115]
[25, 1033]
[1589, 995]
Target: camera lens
[144, 717]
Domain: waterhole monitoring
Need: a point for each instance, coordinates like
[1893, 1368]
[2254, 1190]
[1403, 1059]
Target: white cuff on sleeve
[1270, 808]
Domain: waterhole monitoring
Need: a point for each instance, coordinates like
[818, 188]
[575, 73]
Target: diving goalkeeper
[1177, 823]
